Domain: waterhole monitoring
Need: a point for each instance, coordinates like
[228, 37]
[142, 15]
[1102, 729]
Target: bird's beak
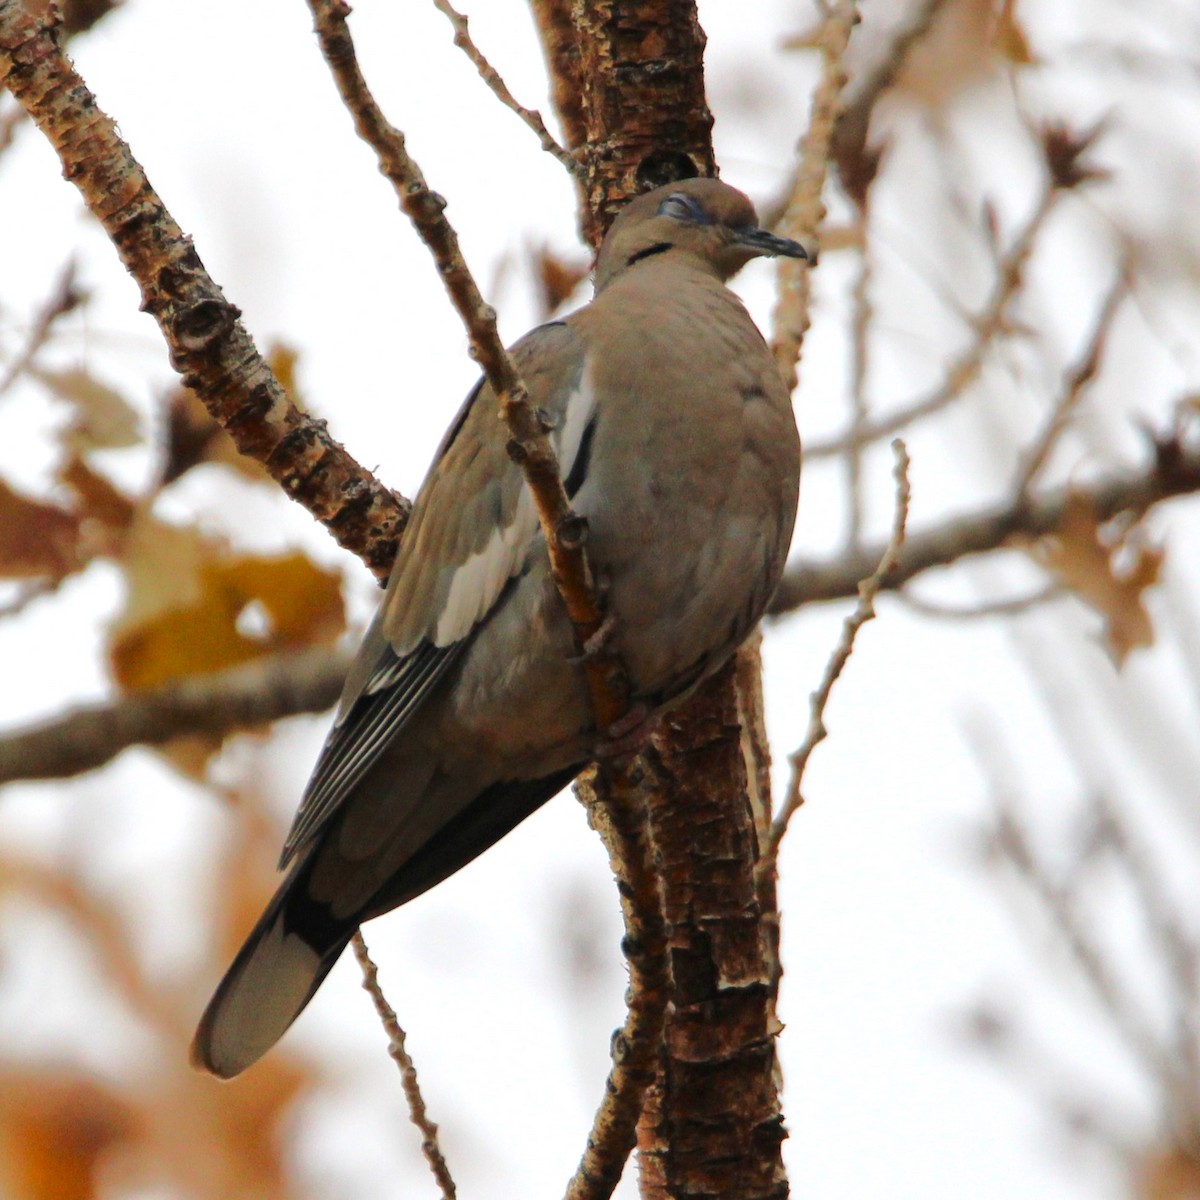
[759, 241]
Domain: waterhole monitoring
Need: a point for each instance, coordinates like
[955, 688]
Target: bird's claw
[628, 734]
[596, 642]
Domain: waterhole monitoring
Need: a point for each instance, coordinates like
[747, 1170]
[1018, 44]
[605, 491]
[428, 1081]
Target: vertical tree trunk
[629, 81]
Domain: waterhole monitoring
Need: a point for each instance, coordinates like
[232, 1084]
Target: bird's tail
[283, 962]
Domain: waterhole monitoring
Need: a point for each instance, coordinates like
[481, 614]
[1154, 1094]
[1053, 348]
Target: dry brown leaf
[1169, 1174]
[37, 540]
[105, 512]
[557, 277]
[193, 437]
[961, 51]
[55, 1131]
[103, 419]
[1010, 40]
[1079, 554]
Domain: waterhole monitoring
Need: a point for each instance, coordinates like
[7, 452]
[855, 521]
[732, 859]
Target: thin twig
[853, 124]
[530, 445]
[1075, 384]
[989, 608]
[62, 299]
[805, 212]
[490, 76]
[1181, 953]
[1061, 906]
[963, 370]
[430, 1146]
[864, 611]
[619, 815]
[860, 345]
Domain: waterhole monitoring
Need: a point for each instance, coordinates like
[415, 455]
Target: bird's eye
[682, 208]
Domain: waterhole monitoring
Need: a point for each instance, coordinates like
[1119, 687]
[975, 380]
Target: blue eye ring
[681, 207]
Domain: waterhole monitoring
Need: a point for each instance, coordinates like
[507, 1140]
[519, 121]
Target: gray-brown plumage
[464, 710]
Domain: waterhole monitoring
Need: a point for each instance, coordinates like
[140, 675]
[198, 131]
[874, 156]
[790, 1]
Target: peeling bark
[712, 1126]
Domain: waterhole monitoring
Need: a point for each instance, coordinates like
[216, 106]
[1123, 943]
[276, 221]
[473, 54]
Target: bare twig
[1075, 384]
[860, 345]
[864, 611]
[1041, 1069]
[530, 446]
[102, 925]
[989, 608]
[209, 346]
[1175, 472]
[618, 814]
[490, 76]
[62, 299]
[964, 369]
[430, 1146]
[222, 702]
[560, 45]
[805, 212]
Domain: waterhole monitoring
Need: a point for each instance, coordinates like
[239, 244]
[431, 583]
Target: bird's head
[704, 219]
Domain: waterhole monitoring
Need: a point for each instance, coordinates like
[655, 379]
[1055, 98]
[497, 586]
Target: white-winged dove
[466, 707]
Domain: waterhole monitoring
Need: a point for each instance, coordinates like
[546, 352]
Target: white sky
[892, 925]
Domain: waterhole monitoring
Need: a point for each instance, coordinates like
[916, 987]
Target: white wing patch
[479, 580]
[581, 405]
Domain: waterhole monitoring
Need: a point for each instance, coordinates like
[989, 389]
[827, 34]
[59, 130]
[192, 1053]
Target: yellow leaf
[103, 419]
[189, 598]
[54, 1133]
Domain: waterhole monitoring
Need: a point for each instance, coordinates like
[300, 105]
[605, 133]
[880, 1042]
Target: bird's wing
[472, 528]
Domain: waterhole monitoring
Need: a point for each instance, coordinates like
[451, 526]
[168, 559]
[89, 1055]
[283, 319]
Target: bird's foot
[628, 734]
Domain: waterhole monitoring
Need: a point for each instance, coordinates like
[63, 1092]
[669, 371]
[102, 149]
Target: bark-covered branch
[638, 70]
[209, 346]
[85, 738]
[630, 82]
[1174, 472]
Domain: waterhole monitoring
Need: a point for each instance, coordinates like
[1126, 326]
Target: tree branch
[85, 738]
[209, 346]
[1176, 472]
[986, 326]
